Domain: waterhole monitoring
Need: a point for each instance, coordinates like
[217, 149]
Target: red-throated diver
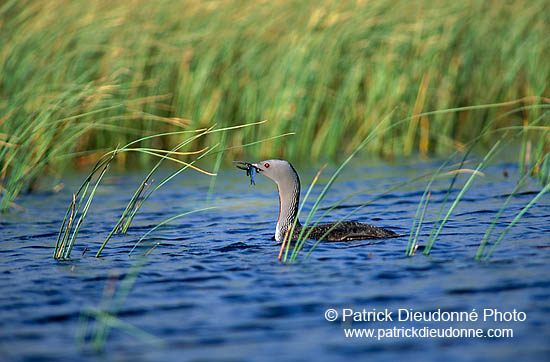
[288, 185]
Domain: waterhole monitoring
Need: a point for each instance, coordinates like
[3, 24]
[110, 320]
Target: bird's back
[346, 231]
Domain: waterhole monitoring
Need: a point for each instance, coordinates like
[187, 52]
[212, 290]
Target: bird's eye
[266, 165]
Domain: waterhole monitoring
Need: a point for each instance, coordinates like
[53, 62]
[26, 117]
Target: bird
[288, 186]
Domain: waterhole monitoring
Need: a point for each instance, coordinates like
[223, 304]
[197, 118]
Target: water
[214, 290]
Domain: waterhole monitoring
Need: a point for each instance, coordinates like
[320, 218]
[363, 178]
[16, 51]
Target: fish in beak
[250, 169]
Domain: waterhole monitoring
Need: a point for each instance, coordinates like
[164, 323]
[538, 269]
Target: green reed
[482, 249]
[497, 147]
[68, 231]
[441, 219]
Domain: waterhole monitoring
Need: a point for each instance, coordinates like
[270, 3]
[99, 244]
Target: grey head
[280, 171]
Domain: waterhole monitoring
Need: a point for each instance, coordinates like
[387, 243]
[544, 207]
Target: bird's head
[277, 170]
[280, 171]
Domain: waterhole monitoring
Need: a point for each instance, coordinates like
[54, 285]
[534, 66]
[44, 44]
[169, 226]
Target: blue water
[214, 290]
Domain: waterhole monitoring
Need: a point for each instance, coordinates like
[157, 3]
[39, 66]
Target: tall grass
[77, 77]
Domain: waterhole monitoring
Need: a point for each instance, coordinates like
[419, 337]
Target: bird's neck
[289, 199]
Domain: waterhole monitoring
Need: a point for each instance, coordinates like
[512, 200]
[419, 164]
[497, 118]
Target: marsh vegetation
[80, 79]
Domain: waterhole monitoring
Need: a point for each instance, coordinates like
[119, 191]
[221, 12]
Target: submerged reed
[105, 316]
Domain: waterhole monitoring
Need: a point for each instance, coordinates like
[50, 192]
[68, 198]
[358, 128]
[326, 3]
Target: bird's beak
[258, 166]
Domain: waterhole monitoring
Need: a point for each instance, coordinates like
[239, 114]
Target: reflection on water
[213, 288]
